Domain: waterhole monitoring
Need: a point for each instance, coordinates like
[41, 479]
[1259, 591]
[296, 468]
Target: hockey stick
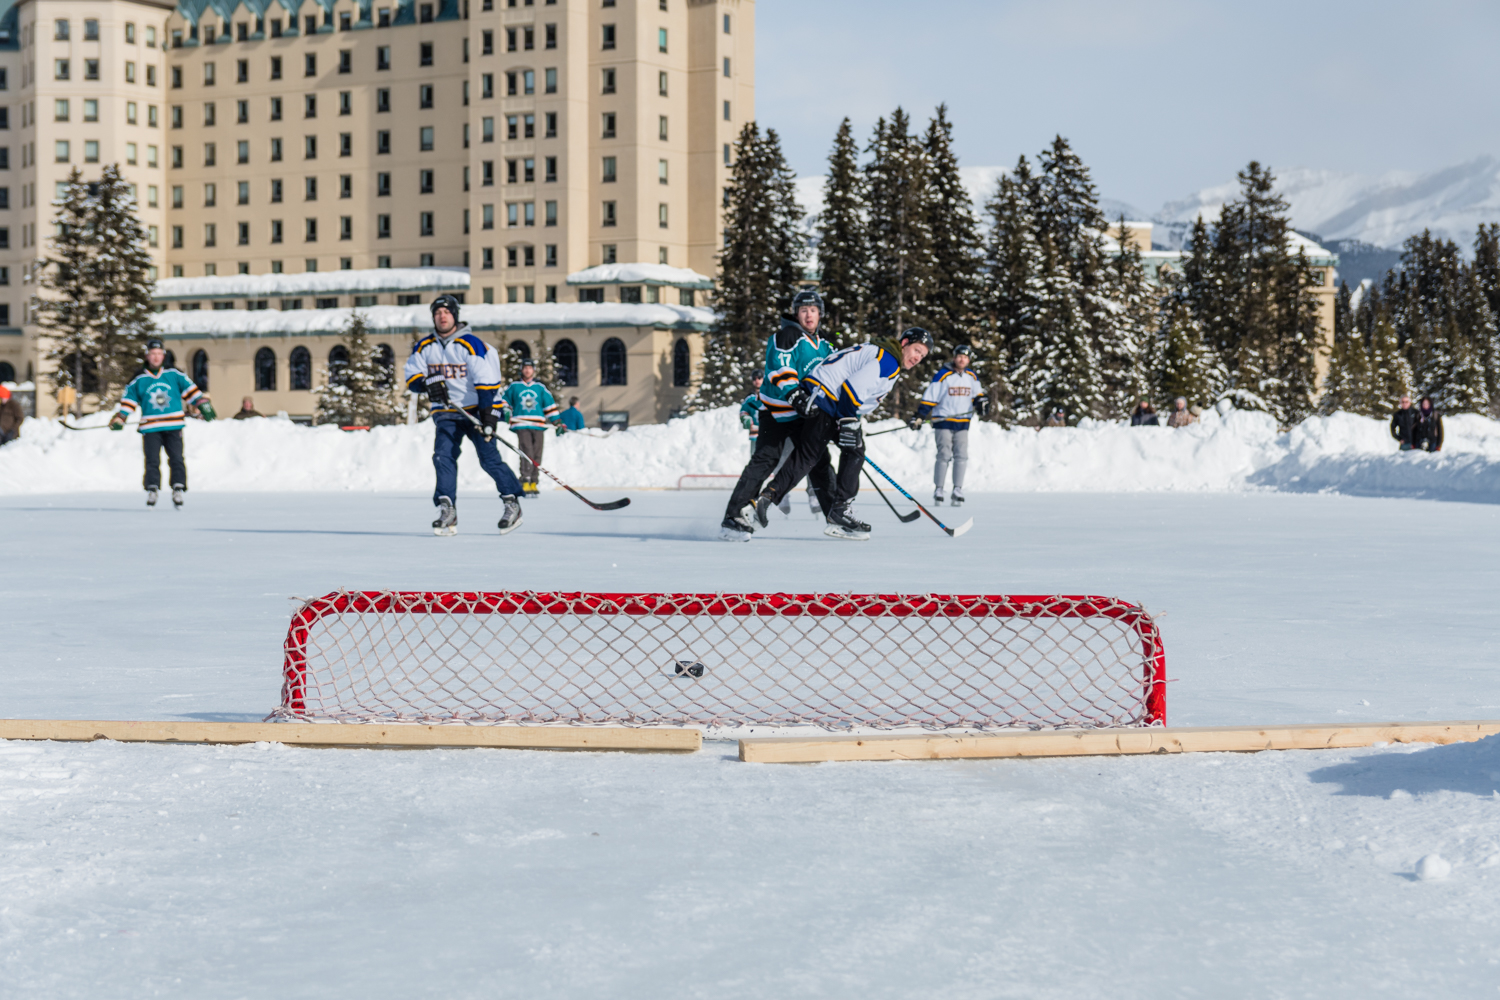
[952, 532]
[904, 518]
[612, 505]
[903, 427]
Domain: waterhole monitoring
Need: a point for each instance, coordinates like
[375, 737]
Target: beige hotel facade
[524, 141]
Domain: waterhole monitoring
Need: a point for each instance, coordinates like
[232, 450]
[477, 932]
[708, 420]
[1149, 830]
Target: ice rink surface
[259, 871]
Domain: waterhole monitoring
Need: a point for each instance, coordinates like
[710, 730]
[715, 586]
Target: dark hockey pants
[769, 444]
[152, 443]
[531, 440]
[450, 429]
[810, 453]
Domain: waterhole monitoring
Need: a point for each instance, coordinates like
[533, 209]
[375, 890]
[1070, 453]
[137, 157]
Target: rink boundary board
[1108, 742]
[357, 734]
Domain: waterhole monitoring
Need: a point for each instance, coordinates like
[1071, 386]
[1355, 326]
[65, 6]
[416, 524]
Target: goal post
[838, 662]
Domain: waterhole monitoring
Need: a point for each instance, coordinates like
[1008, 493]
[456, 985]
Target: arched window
[682, 363]
[387, 359]
[200, 369]
[170, 361]
[565, 362]
[338, 364]
[301, 368]
[265, 369]
[7, 372]
[612, 362]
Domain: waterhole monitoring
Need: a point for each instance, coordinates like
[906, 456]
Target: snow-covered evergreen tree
[957, 251]
[1059, 368]
[1391, 376]
[902, 268]
[759, 268]
[1177, 360]
[1129, 314]
[1348, 385]
[358, 392]
[1012, 265]
[843, 239]
[68, 312]
[546, 369]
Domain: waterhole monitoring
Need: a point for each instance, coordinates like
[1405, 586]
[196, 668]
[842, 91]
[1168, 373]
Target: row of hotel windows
[299, 367]
[62, 31]
[318, 302]
[62, 69]
[310, 266]
[426, 226]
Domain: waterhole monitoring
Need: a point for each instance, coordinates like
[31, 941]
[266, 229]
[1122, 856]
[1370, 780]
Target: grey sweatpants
[952, 446]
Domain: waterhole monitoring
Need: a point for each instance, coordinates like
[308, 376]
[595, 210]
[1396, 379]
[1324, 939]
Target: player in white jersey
[952, 399]
[459, 372]
[833, 399]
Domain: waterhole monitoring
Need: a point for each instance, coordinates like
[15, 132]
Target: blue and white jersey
[949, 398]
[468, 364]
[852, 382]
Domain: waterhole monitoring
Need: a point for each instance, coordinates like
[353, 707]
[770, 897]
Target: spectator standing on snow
[247, 410]
[1144, 415]
[162, 395]
[11, 416]
[1058, 419]
[1427, 433]
[1181, 416]
[1403, 422]
[531, 408]
[571, 418]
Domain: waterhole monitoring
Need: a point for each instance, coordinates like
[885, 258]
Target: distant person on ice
[1144, 415]
[162, 395]
[530, 408]
[572, 417]
[1427, 432]
[1403, 422]
[459, 372]
[951, 399]
[832, 400]
[750, 408]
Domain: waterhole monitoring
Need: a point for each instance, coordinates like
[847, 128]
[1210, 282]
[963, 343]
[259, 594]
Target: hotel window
[487, 216]
[487, 43]
[61, 109]
[383, 227]
[726, 111]
[551, 36]
[383, 99]
[550, 80]
[275, 109]
[608, 86]
[661, 39]
[382, 185]
[424, 96]
[425, 181]
[151, 116]
[551, 213]
[661, 171]
[609, 214]
[551, 162]
[726, 65]
[242, 112]
[426, 221]
[383, 141]
[210, 118]
[609, 125]
[661, 128]
[551, 125]
[62, 70]
[661, 83]
[309, 105]
[426, 138]
[609, 170]
[661, 215]
[242, 150]
[244, 192]
[609, 36]
[129, 72]
[275, 191]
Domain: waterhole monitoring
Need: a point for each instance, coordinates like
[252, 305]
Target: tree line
[1059, 315]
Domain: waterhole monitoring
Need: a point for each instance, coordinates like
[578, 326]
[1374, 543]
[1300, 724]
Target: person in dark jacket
[1427, 434]
[1144, 415]
[1402, 422]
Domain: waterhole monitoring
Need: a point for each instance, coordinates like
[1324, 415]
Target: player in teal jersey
[530, 408]
[751, 407]
[162, 396]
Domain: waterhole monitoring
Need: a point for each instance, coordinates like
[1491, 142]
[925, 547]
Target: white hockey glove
[851, 435]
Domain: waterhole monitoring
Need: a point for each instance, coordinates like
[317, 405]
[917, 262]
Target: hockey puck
[689, 668]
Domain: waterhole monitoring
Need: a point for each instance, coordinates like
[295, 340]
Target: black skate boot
[842, 524]
[510, 518]
[177, 492]
[763, 505]
[736, 529]
[447, 519]
[150, 498]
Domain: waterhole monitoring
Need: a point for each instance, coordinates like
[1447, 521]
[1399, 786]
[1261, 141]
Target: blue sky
[1160, 97]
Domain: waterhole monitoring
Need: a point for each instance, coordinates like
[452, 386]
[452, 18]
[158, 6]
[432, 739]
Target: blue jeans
[448, 439]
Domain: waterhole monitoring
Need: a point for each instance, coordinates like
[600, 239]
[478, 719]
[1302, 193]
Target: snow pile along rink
[1236, 450]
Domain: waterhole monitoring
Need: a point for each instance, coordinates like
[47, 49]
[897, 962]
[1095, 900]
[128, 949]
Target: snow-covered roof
[372, 279]
[640, 274]
[407, 320]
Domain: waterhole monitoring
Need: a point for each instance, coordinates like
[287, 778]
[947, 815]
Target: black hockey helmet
[447, 302]
[808, 297]
[963, 349]
[154, 343]
[917, 335]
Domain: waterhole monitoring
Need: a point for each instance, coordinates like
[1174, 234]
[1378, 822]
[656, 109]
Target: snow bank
[1237, 451]
[640, 274]
[370, 279]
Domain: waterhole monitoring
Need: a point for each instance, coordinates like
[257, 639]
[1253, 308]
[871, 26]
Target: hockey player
[531, 408]
[832, 399]
[162, 395]
[790, 354]
[750, 408]
[459, 372]
[952, 397]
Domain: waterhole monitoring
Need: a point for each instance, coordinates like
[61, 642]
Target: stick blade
[909, 518]
[955, 532]
[612, 505]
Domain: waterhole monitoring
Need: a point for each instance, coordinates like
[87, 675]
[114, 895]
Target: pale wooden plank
[311, 734]
[1084, 742]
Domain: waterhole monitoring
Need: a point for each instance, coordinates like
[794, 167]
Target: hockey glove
[206, 410]
[804, 402]
[117, 423]
[559, 430]
[851, 435]
[915, 423]
[981, 406]
[437, 392]
[491, 424]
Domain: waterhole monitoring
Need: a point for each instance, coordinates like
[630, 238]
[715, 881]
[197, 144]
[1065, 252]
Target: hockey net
[834, 661]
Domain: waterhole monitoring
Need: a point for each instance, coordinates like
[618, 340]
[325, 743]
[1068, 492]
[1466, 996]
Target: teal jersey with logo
[790, 355]
[160, 397]
[529, 404]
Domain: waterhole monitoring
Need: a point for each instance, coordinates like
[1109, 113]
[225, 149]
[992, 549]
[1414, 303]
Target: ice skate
[177, 492]
[150, 498]
[528, 489]
[937, 498]
[736, 529]
[447, 519]
[786, 505]
[958, 497]
[763, 505]
[510, 519]
[842, 524]
[812, 503]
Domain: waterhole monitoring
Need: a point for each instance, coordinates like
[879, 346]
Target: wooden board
[356, 735]
[1085, 742]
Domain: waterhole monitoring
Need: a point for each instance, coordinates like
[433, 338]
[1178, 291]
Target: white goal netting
[834, 661]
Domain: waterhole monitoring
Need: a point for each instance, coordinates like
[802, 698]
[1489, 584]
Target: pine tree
[1132, 309]
[902, 269]
[358, 392]
[68, 313]
[120, 279]
[843, 239]
[1177, 361]
[759, 267]
[1059, 369]
[957, 252]
[1390, 372]
[546, 369]
[1012, 267]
